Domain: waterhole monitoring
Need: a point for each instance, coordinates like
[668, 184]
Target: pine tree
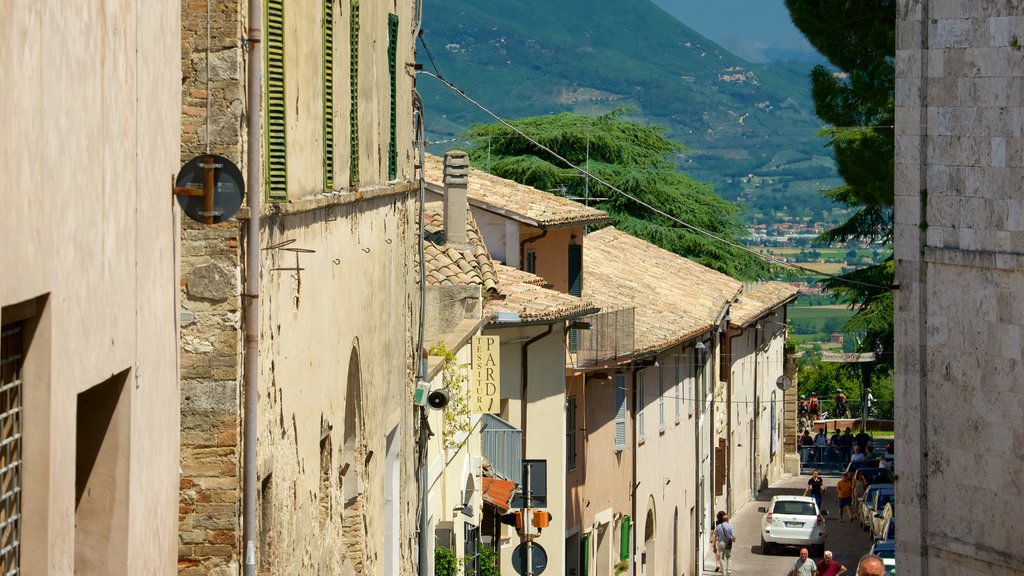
[856, 97]
[633, 157]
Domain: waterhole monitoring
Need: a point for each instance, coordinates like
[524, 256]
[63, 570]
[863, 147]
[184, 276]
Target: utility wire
[650, 207]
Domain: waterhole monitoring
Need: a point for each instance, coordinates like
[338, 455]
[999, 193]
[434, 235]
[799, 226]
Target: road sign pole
[528, 523]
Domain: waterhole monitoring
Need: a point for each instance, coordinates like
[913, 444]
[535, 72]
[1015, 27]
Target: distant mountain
[525, 58]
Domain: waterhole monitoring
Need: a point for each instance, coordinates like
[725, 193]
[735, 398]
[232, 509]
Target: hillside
[523, 58]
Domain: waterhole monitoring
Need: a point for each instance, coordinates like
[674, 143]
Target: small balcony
[609, 338]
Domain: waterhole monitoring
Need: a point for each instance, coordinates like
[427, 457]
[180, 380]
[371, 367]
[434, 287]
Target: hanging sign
[484, 397]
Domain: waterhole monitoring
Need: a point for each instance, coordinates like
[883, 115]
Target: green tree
[856, 97]
[633, 157]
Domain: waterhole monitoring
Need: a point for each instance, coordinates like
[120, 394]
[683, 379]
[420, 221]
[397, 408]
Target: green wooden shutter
[576, 269]
[620, 412]
[353, 113]
[585, 555]
[624, 531]
[393, 71]
[328, 96]
[277, 162]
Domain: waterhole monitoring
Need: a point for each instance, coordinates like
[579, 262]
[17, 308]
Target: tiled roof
[453, 266]
[522, 293]
[498, 493]
[675, 298]
[516, 201]
[757, 299]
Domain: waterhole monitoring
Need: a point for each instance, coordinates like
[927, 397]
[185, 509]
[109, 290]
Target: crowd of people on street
[845, 447]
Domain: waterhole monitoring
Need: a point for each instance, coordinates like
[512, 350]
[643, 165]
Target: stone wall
[959, 250]
[210, 346]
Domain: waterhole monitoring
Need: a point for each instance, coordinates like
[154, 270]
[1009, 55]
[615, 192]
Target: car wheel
[766, 547]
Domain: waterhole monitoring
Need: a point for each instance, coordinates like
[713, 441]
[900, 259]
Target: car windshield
[883, 499]
[884, 553]
[794, 507]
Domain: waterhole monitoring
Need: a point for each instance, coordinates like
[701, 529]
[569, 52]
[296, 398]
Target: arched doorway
[650, 541]
[352, 467]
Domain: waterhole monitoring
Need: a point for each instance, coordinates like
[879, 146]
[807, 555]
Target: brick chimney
[456, 206]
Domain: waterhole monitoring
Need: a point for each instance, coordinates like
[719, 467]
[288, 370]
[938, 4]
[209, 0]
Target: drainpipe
[254, 93]
[755, 468]
[633, 484]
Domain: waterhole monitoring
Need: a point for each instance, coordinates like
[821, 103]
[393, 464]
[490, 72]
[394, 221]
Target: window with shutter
[641, 403]
[661, 399]
[328, 95]
[570, 433]
[678, 386]
[620, 412]
[393, 72]
[576, 269]
[277, 164]
[624, 531]
[691, 371]
[531, 261]
[353, 86]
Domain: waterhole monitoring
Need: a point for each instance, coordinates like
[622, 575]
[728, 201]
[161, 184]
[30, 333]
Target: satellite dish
[784, 382]
[227, 188]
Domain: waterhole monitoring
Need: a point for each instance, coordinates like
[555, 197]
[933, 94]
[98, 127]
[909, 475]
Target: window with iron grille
[11, 355]
[570, 433]
[277, 162]
[531, 261]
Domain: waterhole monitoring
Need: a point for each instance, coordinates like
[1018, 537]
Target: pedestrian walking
[714, 541]
[841, 409]
[844, 494]
[816, 488]
[829, 567]
[814, 408]
[725, 537]
[804, 566]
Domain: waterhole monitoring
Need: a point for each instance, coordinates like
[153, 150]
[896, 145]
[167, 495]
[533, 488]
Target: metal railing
[503, 447]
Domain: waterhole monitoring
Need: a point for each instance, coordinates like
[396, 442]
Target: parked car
[792, 521]
[880, 519]
[874, 507]
[888, 531]
[869, 496]
[887, 552]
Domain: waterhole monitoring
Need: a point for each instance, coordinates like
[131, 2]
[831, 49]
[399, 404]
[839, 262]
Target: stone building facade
[337, 490]
[88, 345]
[959, 250]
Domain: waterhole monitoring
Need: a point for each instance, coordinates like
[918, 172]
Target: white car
[792, 521]
[879, 521]
[875, 507]
[887, 552]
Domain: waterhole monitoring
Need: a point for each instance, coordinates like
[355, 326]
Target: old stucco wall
[335, 388]
[88, 233]
[959, 240]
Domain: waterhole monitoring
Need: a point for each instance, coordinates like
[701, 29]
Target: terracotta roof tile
[449, 265]
[757, 299]
[524, 203]
[674, 297]
[523, 294]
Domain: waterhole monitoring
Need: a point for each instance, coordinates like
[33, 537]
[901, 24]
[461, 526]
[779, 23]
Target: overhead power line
[640, 202]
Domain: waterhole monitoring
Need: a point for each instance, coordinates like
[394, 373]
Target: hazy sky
[757, 30]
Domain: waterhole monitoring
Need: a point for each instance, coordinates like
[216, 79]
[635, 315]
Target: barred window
[11, 355]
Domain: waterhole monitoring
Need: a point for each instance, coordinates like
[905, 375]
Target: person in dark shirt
[816, 488]
[862, 439]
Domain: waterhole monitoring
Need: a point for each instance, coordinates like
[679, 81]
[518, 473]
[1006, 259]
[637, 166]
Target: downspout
[755, 468]
[250, 375]
[633, 484]
[522, 247]
[525, 380]
[421, 362]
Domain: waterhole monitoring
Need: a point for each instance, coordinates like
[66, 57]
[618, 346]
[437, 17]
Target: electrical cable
[642, 203]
